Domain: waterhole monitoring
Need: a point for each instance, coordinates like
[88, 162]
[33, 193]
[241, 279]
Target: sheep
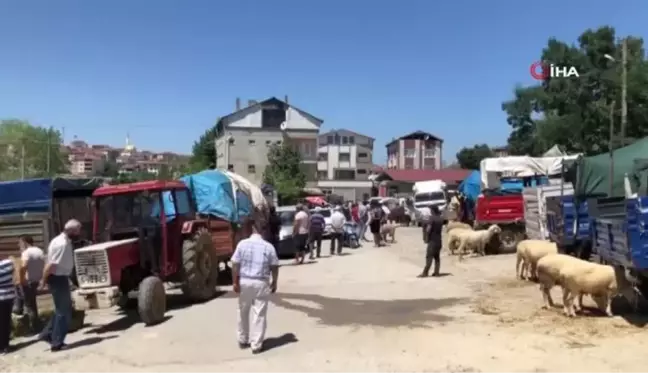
[388, 229]
[528, 254]
[548, 269]
[477, 240]
[457, 224]
[597, 280]
[454, 238]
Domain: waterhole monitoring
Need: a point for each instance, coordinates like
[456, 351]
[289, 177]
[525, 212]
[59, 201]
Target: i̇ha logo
[542, 71]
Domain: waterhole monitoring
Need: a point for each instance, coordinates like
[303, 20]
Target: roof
[154, 185]
[346, 130]
[257, 105]
[415, 135]
[412, 176]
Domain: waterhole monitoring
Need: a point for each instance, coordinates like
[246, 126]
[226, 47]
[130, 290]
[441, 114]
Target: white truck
[429, 193]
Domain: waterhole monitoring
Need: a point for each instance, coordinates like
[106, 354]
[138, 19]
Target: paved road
[364, 311]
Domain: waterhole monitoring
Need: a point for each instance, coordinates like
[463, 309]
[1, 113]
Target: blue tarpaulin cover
[243, 204]
[25, 196]
[213, 193]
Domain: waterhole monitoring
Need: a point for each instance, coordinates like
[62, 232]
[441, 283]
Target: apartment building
[86, 164]
[344, 161]
[245, 136]
[415, 151]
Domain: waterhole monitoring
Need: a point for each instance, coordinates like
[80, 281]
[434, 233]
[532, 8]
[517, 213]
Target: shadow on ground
[413, 313]
[129, 317]
[282, 340]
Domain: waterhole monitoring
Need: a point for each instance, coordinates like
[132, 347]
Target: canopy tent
[554, 152]
[492, 169]
[593, 173]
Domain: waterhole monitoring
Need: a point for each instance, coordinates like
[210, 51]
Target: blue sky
[164, 70]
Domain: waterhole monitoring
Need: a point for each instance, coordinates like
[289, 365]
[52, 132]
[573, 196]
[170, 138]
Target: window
[278, 142]
[362, 172]
[268, 142]
[410, 153]
[345, 140]
[307, 149]
[409, 166]
[231, 141]
[345, 175]
[337, 139]
[329, 139]
[322, 175]
[182, 202]
[322, 157]
[251, 142]
[351, 140]
[345, 157]
[362, 155]
[251, 169]
[429, 153]
[230, 167]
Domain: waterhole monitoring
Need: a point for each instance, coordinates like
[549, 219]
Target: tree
[284, 171]
[203, 152]
[574, 112]
[30, 151]
[469, 158]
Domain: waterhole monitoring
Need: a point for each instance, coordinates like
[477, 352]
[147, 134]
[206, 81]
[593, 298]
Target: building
[244, 137]
[344, 161]
[417, 150]
[500, 151]
[393, 182]
[86, 164]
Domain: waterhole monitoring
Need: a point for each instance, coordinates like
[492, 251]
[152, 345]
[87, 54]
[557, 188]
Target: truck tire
[199, 266]
[509, 239]
[151, 300]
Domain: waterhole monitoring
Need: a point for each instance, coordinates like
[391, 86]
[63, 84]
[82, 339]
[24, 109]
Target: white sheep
[595, 279]
[548, 269]
[476, 241]
[457, 224]
[454, 238]
[528, 254]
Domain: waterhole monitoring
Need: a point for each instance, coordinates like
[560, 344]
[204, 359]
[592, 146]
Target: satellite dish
[283, 126]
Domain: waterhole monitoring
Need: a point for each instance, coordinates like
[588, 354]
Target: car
[286, 243]
[326, 213]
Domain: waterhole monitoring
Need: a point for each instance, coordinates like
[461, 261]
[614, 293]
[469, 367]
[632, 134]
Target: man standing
[433, 251]
[7, 295]
[316, 229]
[31, 273]
[255, 271]
[300, 234]
[426, 213]
[337, 230]
[58, 267]
[363, 214]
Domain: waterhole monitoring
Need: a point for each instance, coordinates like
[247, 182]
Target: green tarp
[593, 173]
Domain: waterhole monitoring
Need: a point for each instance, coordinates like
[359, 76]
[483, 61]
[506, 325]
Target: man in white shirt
[31, 273]
[425, 216]
[337, 230]
[58, 268]
[255, 272]
[300, 233]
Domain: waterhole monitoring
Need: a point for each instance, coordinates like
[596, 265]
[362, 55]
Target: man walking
[363, 214]
[315, 231]
[58, 267]
[300, 234]
[31, 272]
[433, 251]
[255, 271]
[8, 282]
[337, 230]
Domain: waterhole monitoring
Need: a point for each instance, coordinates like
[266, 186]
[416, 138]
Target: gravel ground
[365, 311]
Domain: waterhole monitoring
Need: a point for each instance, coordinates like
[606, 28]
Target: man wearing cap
[56, 274]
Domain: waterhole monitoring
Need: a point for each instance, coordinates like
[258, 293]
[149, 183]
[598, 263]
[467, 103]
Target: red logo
[540, 70]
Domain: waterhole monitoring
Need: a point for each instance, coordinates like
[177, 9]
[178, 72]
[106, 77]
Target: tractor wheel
[151, 300]
[509, 240]
[200, 267]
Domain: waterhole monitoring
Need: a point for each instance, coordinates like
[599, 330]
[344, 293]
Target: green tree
[284, 171]
[30, 150]
[469, 158]
[574, 112]
[203, 152]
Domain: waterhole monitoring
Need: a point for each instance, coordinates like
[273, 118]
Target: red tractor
[146, 234]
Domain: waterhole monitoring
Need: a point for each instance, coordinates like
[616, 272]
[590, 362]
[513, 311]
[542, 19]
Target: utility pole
[624, 90]
[49, 150]
[611, 147]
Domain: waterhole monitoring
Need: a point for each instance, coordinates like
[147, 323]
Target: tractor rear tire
[509, 239]
[200, 267]
[151, 300]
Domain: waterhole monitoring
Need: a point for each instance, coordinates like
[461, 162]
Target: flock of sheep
[539, 260]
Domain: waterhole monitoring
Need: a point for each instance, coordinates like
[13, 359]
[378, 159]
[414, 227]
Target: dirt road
[364, 311]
